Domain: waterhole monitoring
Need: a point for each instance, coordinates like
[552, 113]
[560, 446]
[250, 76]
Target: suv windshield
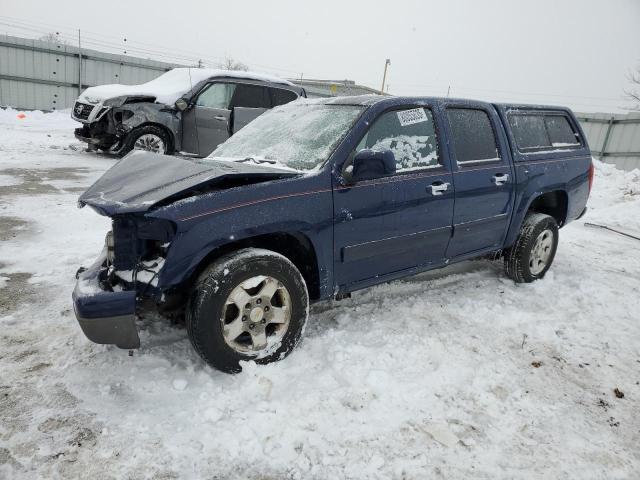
[298, 135]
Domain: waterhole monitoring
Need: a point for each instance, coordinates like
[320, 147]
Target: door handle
[220, 118]
[438, 187]
[500, 178]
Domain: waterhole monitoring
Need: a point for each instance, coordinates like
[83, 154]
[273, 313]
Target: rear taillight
[591, 173]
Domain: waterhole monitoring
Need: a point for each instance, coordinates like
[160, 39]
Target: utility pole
[387, 62]
[79, 65]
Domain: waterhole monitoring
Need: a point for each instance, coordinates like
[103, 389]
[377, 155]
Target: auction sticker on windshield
[409, 117]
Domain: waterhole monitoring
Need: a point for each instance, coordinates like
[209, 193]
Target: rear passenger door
[248, 103]
[482, 177]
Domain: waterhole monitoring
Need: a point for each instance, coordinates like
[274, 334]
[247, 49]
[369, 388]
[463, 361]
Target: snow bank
[613, 193]
[429, 377]
[9, 180]
[170, 86]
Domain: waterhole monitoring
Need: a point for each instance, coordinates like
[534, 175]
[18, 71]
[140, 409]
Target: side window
[409, 134]
[529, 131]
[560, 132]
[280, 96]
[216, 95]
[473, 137]
[540, 131]
[251, 96]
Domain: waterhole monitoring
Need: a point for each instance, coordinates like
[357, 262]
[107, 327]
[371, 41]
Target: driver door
[207, 123]
[395, 223]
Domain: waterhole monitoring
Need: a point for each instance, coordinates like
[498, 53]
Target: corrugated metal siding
[40, 75]
[44, 76]
[613, 138]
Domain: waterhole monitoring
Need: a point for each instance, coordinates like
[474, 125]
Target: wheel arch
[170, 134]
[295, 246]
[552, 202]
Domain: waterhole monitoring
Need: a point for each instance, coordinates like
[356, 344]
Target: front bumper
[105, 140]
[106, 317]
[582, 214]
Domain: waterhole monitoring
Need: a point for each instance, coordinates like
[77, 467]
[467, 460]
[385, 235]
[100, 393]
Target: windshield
[298, 135]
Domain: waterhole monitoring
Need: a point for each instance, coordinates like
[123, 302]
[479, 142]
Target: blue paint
[361, 234]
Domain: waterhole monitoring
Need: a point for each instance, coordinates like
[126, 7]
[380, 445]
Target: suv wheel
[252, 304]
[532, 254]
[149, 138]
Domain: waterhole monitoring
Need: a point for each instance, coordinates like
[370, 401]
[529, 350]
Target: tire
[148, 132]
[223, 332]
[535, 248]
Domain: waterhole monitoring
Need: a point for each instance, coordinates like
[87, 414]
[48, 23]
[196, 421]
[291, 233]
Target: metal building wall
[613, 138]
[40, 75]
[44, 76]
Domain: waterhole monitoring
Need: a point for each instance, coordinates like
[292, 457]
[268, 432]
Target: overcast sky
[575, 52]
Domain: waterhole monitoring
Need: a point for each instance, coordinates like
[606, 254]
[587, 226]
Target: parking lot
[458, 373]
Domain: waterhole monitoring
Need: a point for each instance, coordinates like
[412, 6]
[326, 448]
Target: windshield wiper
[257, 160]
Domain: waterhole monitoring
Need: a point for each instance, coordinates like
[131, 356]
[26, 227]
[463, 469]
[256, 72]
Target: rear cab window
[539, 131]
[473, 136]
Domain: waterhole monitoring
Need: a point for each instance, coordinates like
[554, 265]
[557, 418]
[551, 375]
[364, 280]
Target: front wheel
[149, 138]
[535, 248]
[248, 305]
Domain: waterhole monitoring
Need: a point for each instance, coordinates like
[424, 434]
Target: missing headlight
[109, 244]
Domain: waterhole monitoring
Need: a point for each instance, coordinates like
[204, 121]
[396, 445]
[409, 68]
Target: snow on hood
[169, 86]
[142, 179]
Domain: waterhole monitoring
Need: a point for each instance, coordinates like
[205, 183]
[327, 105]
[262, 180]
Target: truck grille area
[82, 110]
[125, 244]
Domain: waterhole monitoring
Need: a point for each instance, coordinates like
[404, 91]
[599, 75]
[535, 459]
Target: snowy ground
[454, 374]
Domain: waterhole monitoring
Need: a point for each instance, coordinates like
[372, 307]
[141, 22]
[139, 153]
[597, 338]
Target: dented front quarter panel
[145, 113]
[298, 205]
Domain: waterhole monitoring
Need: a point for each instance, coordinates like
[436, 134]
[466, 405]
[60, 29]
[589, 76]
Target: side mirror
[369, 164]
[181, 104]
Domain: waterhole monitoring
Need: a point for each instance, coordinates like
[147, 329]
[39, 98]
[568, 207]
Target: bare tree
[231, 64]
[53, 37]
[634, 93]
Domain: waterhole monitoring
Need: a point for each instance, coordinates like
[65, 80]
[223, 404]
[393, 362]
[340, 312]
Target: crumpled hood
[94, 95]
[142, 179]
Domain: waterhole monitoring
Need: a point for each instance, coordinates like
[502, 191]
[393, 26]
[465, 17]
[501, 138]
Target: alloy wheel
[256, 315]
[541, 252]
[150, 143]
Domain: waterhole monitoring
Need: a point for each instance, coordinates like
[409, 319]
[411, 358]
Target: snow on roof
[170, 86]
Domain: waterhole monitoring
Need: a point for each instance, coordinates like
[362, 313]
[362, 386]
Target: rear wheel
[248, 305]
[149, 138]
[535, 248]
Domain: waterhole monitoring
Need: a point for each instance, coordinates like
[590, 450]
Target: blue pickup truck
[317, 199]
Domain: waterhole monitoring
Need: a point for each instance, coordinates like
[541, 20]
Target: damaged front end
[108, 294]
[105, 125]
[128, 275]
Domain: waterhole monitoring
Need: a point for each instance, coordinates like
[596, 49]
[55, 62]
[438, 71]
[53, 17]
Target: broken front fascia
[146, 272]
[129, 116]
[116, 120]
